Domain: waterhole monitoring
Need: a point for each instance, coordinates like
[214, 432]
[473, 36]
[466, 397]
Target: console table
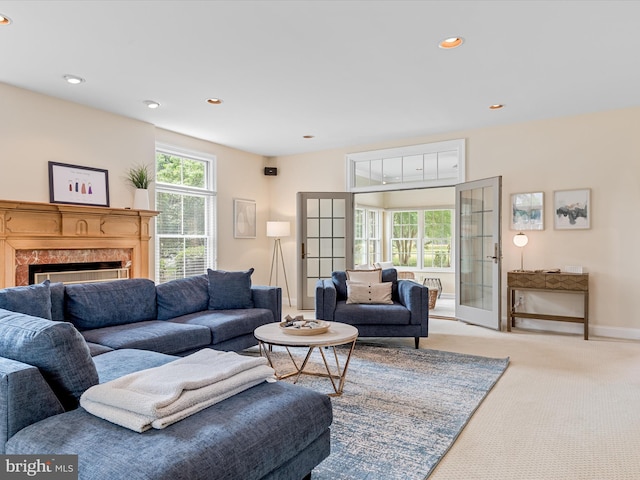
[547, 282]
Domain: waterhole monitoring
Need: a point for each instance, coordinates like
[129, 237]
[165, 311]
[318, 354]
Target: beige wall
[36, 129]
[598, 151]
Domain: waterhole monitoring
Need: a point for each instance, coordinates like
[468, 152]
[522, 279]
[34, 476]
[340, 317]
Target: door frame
[304, 301]
[482, 316]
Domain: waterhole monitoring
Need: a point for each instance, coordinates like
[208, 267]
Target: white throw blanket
[160, 396]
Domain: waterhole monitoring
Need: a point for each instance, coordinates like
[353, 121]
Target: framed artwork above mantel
[78, 185]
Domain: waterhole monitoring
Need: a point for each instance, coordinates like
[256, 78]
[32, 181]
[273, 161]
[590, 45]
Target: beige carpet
[565, 409]
[445, 308]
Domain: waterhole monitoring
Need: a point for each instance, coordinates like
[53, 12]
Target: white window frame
[209, 192]
[368, 235]
[420, 239]
[400, 155]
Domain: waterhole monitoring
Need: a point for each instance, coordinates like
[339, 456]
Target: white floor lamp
[278, 230]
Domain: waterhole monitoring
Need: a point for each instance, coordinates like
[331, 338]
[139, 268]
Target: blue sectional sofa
[218, 310]
[406, 316]
[270, 431]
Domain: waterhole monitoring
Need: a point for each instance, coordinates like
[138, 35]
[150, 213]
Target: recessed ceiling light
[73, 79]
[308, 136]
[214, 101]
[4, 20]
[451, 42]
[496, 106]
[151, 104]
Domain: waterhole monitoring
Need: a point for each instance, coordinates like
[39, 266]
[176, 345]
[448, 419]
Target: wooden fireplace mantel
[49, 226]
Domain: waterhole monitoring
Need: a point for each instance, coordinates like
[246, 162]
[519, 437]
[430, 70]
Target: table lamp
[520, 240]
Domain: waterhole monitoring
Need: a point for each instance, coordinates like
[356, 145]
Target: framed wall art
[244, 218]
[572, 209]
[78, 185]
[527, 211]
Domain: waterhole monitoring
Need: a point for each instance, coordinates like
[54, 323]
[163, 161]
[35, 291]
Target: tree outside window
[422, 238]
[404, 240]
[437, 239]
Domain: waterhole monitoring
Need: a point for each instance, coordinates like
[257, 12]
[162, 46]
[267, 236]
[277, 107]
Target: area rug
[401, 409]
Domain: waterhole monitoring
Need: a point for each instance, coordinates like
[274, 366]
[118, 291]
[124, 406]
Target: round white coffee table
[339, 334]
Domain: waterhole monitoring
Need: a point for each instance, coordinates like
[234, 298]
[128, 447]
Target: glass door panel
[325, 223]
[479, 257]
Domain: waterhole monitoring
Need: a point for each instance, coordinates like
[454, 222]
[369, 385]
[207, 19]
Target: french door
[479, 259]
[325, 240]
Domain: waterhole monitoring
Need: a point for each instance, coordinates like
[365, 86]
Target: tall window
[436, 240]
[422, 239]
[404, 240]
[185, 227]
[368, 234]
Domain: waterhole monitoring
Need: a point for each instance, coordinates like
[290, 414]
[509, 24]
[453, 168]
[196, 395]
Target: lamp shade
[520, 240]
[278, 229]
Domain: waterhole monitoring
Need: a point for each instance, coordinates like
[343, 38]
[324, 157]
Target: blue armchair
[408, 316]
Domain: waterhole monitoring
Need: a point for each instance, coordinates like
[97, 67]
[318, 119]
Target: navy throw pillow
[182, 296]
[34, 300]
[229, 290]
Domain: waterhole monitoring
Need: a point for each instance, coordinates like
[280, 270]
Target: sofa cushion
[96, 305]
[247, 436]
[25, 398]
[228, 324]
[56, 348]
[229, 290]
[365, 276]
[118, 363]
[378, 293]
[96, 349]
[31, 300]
[57, 301]
[182, 296]
[339, 279]
[155, 335]
[364, 314]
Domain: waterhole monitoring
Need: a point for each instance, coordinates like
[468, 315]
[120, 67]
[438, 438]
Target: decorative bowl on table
[304, 327]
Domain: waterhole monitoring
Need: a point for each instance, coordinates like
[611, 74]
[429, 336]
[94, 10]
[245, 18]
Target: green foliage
[405, 231]
[140, 176]
[436, 238]
[176, 170]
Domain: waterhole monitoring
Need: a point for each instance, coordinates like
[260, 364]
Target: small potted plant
[140, 176]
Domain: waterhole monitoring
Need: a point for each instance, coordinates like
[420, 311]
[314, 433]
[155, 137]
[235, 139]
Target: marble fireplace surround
[39, 233]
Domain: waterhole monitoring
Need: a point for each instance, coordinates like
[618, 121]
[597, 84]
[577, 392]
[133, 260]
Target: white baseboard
[578, 328]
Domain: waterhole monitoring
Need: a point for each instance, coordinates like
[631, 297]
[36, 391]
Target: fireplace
[78, 272]
[44, 233]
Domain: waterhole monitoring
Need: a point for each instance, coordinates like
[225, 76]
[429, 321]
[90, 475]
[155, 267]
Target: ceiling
[347, 72]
